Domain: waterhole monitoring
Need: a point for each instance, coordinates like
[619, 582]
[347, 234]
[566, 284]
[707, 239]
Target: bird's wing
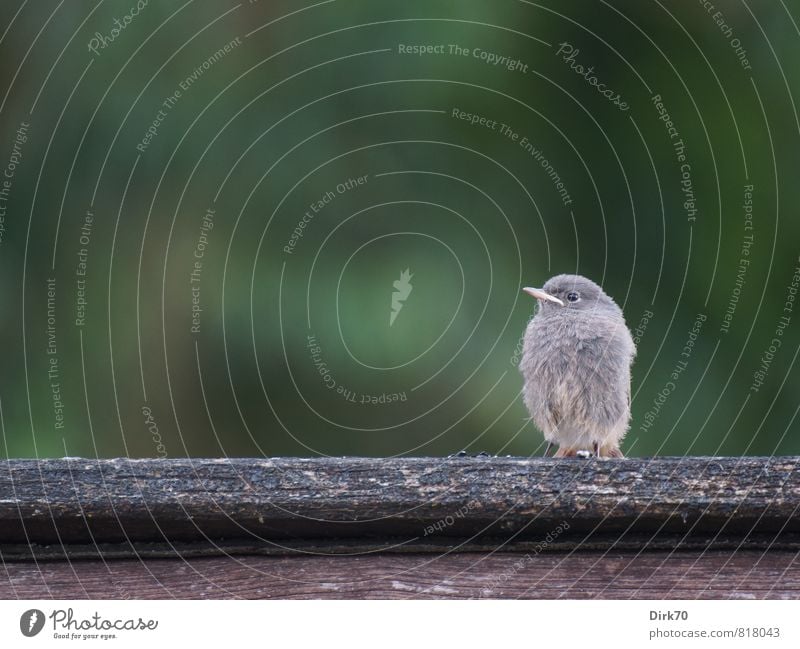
[554, 412]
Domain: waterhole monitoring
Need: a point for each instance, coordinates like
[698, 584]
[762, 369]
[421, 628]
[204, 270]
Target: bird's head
[573, 292]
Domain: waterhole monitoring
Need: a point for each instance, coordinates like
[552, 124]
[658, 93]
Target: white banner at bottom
[378, 624]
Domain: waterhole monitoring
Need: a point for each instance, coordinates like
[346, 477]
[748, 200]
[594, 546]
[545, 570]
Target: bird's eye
[572, 296]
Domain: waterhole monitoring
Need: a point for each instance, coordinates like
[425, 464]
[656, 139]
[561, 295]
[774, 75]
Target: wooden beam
[742, 574]
[75, 507]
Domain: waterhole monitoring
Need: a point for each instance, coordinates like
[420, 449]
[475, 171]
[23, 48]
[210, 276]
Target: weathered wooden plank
[611, 575]
[402, 502]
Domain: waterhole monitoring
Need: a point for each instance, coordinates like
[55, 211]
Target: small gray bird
[576, 362]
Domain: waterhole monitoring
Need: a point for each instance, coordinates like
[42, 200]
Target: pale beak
[539, 294]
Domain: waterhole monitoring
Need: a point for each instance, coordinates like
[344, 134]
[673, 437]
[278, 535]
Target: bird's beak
[539, 294]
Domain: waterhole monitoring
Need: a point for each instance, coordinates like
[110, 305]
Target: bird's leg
[547, 450]
[596, 447]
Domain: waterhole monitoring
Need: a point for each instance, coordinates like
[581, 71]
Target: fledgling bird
[576, 363]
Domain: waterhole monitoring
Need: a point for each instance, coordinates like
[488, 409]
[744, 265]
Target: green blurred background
[292, 351]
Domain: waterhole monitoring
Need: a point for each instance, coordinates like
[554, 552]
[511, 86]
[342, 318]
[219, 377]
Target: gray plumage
[576, 363]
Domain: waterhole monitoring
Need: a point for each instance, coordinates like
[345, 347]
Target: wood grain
[653, 575]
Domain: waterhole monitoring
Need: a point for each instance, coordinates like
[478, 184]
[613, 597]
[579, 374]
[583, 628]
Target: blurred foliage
[294, 353]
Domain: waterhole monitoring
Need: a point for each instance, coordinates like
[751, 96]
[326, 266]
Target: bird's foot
[605, 452]
[600, 452]
[611, 451]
